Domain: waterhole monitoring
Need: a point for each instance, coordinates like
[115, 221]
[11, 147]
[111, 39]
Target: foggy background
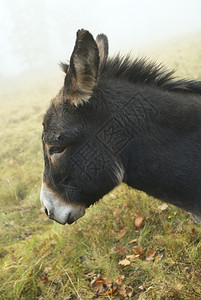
[41, 33]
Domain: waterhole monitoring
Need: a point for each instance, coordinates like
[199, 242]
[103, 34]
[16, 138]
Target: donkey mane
[143, 71]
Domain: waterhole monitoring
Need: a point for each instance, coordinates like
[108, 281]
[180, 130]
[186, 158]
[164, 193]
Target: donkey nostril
[46, 211]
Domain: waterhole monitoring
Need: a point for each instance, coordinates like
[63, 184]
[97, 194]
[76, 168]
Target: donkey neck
[161, 151]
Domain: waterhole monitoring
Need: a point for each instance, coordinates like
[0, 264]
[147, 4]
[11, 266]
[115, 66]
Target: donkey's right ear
[82, 74]
[102, 43]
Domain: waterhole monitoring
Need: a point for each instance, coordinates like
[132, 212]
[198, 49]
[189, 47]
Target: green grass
[40, 259]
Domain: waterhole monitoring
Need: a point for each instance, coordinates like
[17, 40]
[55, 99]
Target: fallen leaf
[120, 279]
[138, 221]
[159, 256]
[125, 262]
[97, 284]
[125, 291]
[138, 250]
[150, 255]
[90, 275]
[122, 232]
[132, 257]
[107, 286]
[44, 279]
[112, 291]
[132, 241]
[103, 286]
[120, 250]
[162, 207]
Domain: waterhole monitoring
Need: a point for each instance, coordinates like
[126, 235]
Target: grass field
[127, 246]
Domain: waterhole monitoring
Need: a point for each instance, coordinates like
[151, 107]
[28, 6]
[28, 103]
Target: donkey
[116, 120]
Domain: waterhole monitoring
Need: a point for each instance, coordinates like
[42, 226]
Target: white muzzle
[57, 209]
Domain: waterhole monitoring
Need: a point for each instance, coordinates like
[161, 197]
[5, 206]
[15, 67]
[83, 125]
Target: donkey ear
[102, 43]
[82, 74]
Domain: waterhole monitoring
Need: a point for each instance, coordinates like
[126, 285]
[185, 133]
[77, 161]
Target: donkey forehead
[57, 116]
[61, 126]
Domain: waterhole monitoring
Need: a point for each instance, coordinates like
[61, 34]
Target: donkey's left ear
[102, 43]
[82, 73]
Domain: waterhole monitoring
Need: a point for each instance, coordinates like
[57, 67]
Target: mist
[42, 33]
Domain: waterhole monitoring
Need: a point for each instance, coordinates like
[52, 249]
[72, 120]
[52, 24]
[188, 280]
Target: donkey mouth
[70, 219]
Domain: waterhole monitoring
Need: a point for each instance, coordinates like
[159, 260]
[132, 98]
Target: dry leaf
[120, 250]
[44, 279]
[131, 257]
[159, 256]
[103, 286]
[150, 254]
[120, 279]
[90, 275]
[97, 284]
[122, 232]
[138, 221]
[162, 207]
[125, 262]
[138, 250]
[125, 291]
[132, 241]
[106, 286]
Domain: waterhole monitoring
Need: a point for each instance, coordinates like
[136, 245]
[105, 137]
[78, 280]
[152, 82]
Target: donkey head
[79, 169]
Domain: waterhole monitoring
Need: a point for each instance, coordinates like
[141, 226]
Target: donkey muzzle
[58, 210]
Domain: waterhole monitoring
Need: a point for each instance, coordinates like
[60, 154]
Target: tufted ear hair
[102, 43]
[82, 73]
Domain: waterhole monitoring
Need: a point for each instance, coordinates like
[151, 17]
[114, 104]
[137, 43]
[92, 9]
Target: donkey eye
[56, 149]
